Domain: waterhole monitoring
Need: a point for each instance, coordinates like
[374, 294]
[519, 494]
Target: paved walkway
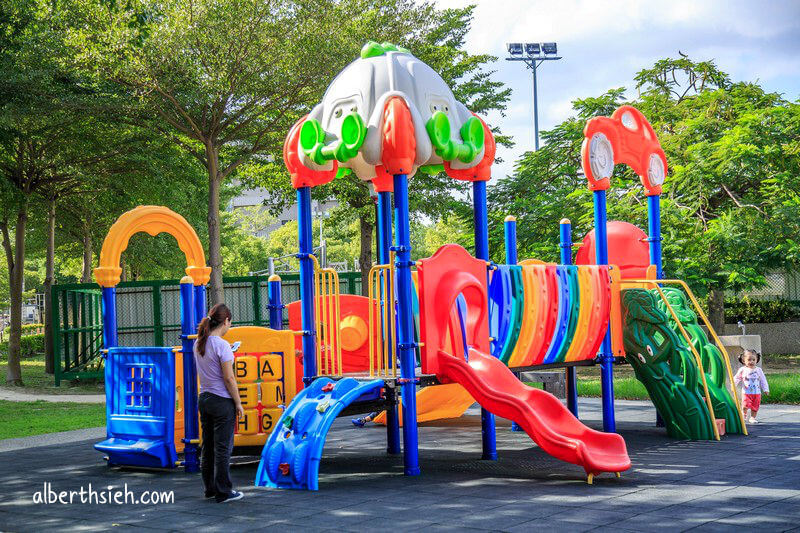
[741, 482]
[16, 396]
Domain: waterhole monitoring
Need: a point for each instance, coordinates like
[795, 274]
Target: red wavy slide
[543, 417]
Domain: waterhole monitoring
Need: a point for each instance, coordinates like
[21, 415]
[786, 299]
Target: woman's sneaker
[753, 420]
[233, 496]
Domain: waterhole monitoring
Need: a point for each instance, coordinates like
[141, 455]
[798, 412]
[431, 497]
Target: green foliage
[731, 202]
[28, 328]
[760, 311]
[30, 346]
[427, 238]
[340, 232]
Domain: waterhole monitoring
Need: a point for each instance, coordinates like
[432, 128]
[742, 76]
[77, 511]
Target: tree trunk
[365, 255]
[49, 355]
[216, 292]
[716, 310]
[86, 275]
[16, 274]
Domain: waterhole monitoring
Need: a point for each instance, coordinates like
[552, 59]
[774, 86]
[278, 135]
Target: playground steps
[290, 458]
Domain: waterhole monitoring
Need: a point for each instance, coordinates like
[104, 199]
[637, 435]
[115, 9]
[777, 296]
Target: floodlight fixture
[550, 48]
[515, 49]
[533, 49]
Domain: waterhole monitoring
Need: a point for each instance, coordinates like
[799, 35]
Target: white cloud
[604, 43]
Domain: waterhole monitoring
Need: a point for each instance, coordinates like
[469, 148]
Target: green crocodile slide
[713, 360]
[662, 361]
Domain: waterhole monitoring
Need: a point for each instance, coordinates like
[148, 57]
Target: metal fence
[780, 286]
[148, 314]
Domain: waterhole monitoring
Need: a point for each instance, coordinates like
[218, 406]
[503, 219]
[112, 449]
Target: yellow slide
[436, 403]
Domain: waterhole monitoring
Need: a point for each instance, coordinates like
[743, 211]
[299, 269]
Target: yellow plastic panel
[256, 339]
[272, 394]
[248, 392]
[249, 424]
[270, 367]
[615, 319]
[245, 368]
[436, 403]
[269, 417]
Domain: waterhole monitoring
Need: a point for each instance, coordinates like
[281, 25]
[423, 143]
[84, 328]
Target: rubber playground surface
[672, 486]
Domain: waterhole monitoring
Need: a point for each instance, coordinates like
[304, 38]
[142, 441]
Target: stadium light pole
[533, 55]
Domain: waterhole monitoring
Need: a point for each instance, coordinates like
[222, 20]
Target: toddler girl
[753, 382]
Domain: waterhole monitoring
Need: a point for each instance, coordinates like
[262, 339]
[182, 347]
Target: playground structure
[151, 393]
[458, 325]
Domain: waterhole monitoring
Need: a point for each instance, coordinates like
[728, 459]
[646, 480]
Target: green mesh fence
[148, 314]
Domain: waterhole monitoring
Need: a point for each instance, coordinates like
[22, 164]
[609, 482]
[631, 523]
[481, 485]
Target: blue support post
[405, 326]
[305, 240]
[384, 227]
[510, 237]
[654, 240]
[199, 303]
[606, 355]
[109, 317]
[481, 223]
[654, 232]
[189, 327]
[565, 234]
[275, 305]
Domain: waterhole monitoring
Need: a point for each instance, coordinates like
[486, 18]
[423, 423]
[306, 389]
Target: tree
[223, 80]
[42, 139]
[731, 201]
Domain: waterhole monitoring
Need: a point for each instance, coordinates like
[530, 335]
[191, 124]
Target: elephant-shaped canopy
[387, 113]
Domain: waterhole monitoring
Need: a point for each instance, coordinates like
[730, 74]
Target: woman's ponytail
[218, 315]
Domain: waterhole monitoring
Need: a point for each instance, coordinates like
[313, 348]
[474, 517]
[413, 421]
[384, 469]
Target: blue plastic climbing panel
[500, 306]
[291, 456]
[140, 407]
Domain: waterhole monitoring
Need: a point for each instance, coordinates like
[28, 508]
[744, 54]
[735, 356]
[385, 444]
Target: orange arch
[151, 219]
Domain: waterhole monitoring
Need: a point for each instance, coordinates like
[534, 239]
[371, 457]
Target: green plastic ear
[438, 127]
[312, 140]
[343, 171]
[354, 131]
[472, 134]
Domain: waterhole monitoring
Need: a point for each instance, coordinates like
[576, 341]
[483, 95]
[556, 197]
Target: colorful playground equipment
[151, 392]
[454, 325]
[555, 314]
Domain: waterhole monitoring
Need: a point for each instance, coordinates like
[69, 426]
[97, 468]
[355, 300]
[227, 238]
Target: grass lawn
[784, 387]
[22, 419]
[38, 382]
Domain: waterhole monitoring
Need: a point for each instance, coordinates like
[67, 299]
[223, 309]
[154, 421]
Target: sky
[604, 43]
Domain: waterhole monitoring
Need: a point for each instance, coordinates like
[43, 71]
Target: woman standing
[219, 403]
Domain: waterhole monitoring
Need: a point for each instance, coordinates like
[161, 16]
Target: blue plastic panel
[140, 407]
[500, 304]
